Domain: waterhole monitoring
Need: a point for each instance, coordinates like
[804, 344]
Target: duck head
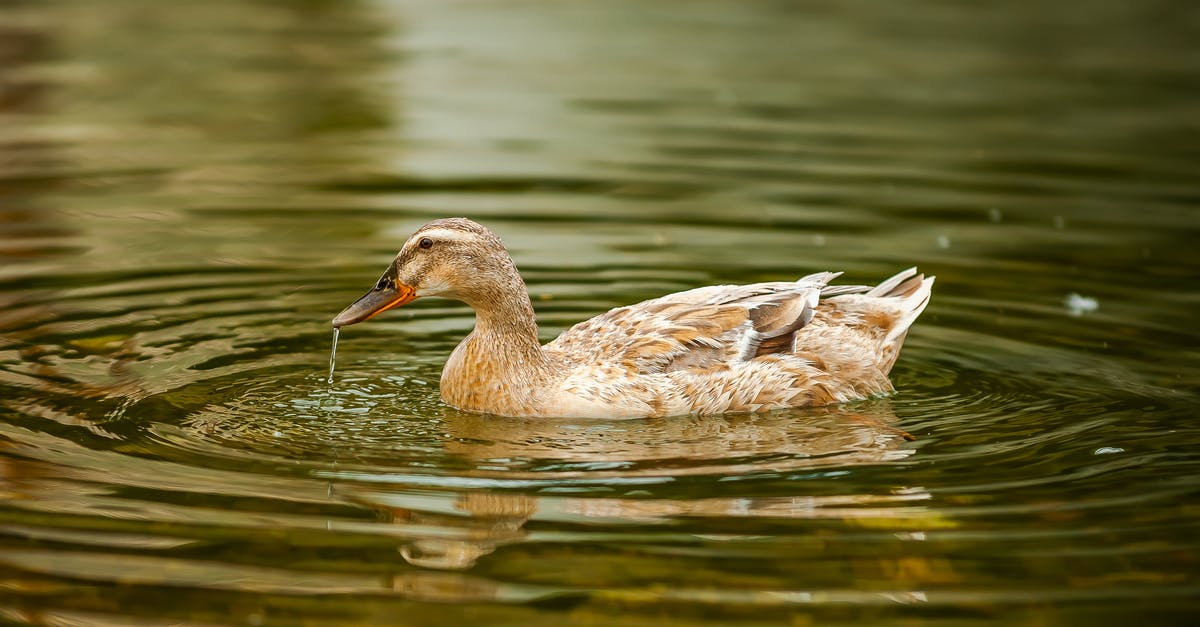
[452, 258]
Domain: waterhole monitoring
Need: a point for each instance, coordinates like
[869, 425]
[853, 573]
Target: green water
[189, 191]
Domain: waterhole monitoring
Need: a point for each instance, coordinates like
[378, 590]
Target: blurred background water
[189, 191]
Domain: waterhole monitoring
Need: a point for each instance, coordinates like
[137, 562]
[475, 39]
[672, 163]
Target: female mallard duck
[710, 350]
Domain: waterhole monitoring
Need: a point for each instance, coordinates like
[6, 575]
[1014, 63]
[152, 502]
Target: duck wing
[701, 328]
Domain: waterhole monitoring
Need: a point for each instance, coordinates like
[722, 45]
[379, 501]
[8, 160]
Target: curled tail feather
[913, 290]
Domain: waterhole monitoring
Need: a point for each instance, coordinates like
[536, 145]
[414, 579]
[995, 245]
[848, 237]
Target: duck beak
[375, 302]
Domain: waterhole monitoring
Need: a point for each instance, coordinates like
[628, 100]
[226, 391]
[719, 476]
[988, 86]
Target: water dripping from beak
[333, 355]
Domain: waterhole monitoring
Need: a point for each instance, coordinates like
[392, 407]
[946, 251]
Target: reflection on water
[188, 192]
[451, 531]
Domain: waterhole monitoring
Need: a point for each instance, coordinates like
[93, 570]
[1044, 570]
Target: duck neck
[505, 324]
[500, 366]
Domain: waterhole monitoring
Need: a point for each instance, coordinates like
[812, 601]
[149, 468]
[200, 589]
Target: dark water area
[189, 191]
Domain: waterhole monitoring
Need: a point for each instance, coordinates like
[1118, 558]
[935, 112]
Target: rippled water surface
[189, 191]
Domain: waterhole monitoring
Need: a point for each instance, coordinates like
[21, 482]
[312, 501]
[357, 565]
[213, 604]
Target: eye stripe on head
[443, 234]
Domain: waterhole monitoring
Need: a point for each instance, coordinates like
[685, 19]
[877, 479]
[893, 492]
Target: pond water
[189, 191]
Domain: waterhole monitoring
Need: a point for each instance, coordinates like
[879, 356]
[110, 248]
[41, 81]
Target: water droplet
[1078, 304]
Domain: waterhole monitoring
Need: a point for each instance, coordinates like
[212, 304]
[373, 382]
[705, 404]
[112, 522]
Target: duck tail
[913, 291]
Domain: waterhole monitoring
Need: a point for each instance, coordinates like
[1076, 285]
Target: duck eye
[425, 243]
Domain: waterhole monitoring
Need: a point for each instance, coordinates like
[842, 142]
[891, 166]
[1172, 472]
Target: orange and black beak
[386, 294]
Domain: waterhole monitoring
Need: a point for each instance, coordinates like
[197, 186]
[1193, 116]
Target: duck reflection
[453, 530]
[809, 437]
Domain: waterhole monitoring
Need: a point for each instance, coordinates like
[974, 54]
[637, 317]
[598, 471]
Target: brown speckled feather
[699, 328]
[742, 348]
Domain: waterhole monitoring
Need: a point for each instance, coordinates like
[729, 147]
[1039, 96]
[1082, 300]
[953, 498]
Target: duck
[709, 350]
